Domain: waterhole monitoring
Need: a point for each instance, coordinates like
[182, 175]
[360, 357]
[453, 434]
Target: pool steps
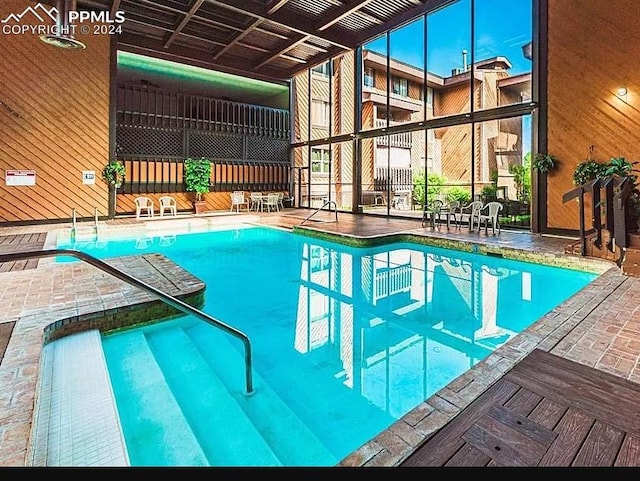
[94, 437]
[75, 421]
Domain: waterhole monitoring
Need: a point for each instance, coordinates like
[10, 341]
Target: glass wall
[448, 58]
[426, 133]
[502, 50]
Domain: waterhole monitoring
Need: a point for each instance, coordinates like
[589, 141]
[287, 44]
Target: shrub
[435, 185]
[196, 176]
[459, 194]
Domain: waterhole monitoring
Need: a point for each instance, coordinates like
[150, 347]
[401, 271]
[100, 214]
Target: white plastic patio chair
[238, 200]
[168, 204]
[473, 211]
[270, 203]
[256, 201]
[144, 206]
[492, 209]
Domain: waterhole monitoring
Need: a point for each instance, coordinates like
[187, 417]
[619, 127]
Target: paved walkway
[598, 327]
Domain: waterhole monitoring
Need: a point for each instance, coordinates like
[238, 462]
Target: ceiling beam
[176, 31]
[401, 18]
[275, 5]
[115, 6]
[237, 38]
[196, 38]
[344, 11]
[294, 42]
[296, 24]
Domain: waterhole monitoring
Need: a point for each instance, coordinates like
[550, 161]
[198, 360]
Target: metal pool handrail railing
[329, 203]
[172, 301]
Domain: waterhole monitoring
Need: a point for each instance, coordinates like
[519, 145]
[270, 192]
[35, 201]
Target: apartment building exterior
[390, 162]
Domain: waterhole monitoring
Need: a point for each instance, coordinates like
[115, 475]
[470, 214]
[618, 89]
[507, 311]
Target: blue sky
[502, 28]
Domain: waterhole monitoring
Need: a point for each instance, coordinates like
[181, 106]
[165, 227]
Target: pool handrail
[166, 298]
[327, 203]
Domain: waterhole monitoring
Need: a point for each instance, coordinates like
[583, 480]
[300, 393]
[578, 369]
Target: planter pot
[199, 206]
[634, 241]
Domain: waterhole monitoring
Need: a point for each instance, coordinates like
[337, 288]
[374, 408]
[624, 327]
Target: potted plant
[196, 179]
[588, 170]
[113, 174]
[543, 163]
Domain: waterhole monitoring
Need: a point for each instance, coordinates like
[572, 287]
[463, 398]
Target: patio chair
[473, 211]
[280, 200]
[168, 204]
[431, 211]
[493, 209]
[452, 209]
[144, 206]
[256, 201]
[270, 202]
[238, 200]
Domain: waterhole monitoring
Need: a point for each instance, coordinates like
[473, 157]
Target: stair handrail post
[73, 224]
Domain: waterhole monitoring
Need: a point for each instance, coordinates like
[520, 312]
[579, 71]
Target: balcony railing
[402, 140]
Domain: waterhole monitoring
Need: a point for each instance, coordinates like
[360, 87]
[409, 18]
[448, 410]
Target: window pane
[448, 47]
[502, 51]
[341, 174]
[320, 97]
[374, 98]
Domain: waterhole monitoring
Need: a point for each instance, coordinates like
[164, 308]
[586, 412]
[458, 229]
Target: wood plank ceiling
[264, 39]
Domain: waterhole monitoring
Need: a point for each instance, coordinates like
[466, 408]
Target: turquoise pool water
[345, 342]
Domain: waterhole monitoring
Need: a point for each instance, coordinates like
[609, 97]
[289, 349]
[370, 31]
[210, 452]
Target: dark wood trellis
[248, 145]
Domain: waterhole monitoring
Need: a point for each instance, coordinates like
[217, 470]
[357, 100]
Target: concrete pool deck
[597, 327]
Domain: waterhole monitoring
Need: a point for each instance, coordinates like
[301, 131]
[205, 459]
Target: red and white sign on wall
[20, 177]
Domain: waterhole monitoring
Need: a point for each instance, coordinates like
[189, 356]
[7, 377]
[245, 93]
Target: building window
[429, 96]
[368, 77]
[320, 113]
[322, 69]
[400, 86]
[320, 160]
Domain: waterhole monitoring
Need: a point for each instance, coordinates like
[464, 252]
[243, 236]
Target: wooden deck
[10, 244]
[546, 411]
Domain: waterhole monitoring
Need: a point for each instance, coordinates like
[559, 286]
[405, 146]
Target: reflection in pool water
[345, 342]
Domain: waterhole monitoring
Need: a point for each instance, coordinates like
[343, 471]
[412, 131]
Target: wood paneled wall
[54, 119]
[594, 48]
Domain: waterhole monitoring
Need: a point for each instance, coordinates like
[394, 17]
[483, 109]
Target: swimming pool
[345, 341]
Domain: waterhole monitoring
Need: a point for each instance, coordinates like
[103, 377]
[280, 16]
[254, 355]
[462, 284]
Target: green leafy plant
[459, 194]
[196, 176]
[543, 162]
[489, 192]
[522, 178]
[435, 185]
[114, 173]
[622, 167]
[588, 170]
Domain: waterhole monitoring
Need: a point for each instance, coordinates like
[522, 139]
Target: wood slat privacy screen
[248, 145]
